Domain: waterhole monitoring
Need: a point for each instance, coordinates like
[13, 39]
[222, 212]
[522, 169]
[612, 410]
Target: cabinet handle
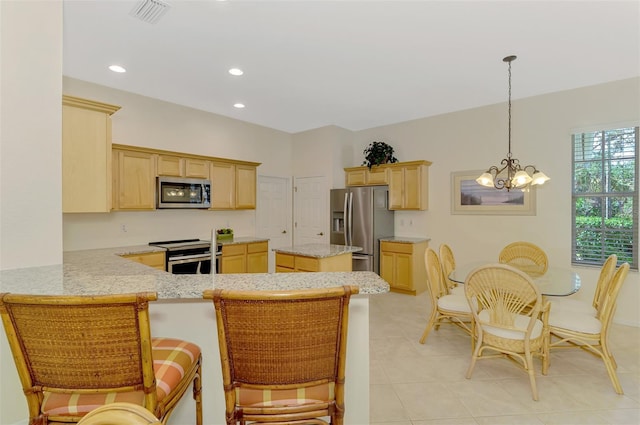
[284, 231]
[320, 234]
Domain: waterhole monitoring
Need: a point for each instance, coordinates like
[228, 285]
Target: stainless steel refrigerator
[360, 216]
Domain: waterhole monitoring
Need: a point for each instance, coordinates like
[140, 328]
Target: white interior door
[273, 213]
[311, 211]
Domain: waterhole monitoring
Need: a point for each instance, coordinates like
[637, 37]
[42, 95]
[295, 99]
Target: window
[605, 196]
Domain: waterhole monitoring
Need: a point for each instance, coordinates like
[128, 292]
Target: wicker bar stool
[74, 353]
[283, 354]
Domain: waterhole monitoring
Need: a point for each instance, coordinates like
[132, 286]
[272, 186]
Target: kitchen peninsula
[315, 257]
[180, 311]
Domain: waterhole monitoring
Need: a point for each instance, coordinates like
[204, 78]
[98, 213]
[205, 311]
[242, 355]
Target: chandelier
[510, 174]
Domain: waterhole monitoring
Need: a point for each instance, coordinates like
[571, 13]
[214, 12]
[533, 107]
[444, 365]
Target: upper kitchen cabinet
[177, 166]
[408, 182]
[134, 183]
[86, 155]
[409, 185]
[233, 185]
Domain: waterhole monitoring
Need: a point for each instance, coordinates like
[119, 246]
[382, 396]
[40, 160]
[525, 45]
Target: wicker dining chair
[283, 354]
[578, 306]
[74, 353]
[582, 330]
[525, 256]
[445, 307]
[120, 414]
[448, 263]
[510, 318]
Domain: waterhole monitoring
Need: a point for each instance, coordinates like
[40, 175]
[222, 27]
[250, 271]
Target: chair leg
[474, 358]
[432, 319]
[532, 375]
[197, 393]
[611, 366]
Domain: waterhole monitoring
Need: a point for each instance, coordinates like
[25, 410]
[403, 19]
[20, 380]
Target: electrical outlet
[123, 228]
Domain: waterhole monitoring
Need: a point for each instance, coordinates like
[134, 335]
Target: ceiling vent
[150, 10]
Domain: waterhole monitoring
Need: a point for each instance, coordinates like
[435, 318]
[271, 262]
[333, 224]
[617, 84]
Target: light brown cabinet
[233, 186]
[363, 176]
[233, 183]
[151, 259]
[288, 263]
[408, 182]
[244, 258]
[86, 155]
[402, 266]
[134, 180]
[176, 166]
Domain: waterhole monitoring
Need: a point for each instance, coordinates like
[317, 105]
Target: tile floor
[414, 384]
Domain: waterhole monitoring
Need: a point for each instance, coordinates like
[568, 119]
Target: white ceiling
[354, 64]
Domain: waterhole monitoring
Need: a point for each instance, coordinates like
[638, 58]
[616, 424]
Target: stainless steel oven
[189, 256]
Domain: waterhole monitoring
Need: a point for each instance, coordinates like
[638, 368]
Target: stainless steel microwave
[176, 192]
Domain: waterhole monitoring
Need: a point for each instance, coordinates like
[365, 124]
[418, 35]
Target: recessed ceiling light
[236, 71]
[117, 68]
[238, 105]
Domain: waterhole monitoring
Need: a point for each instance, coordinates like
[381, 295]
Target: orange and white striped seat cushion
[292, 397]
[172, 358]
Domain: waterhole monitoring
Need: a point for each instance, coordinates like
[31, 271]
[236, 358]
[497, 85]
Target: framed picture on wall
[469, 197]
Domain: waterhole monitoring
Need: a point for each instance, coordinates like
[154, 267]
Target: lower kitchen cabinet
[402, 265]
[244, 258]
[151, 259]
[288, 263]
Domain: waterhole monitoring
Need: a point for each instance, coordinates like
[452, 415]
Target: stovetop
[182, 244]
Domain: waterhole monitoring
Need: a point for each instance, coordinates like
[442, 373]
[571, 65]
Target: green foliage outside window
[605, 196]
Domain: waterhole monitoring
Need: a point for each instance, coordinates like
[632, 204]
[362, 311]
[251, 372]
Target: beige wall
[541, 135]
[30, 153]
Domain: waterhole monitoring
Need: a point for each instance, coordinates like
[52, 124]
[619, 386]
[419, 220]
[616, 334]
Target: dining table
[556, 282]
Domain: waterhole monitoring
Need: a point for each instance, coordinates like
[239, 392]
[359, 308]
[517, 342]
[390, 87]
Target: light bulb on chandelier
[510, 174]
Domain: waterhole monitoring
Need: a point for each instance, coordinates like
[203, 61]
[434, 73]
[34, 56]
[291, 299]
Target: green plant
[378, 153]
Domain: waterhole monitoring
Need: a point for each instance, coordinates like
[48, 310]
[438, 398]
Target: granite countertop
[318, 250]
[103, 271]
[404, 239]
[241, 239]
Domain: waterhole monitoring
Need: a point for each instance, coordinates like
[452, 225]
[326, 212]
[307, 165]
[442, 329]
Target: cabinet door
[412, 198]
[233, 264]
[396, 188]
[356, 177]
[257, 257]
[403, 277]
[378, 175]
[169, 165]
[196, 168]
[135, 180]
[245, 187]
[387, 267]
[222, 185]
[86, 155]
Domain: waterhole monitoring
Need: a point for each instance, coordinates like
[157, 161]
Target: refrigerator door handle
[359, 257]
[345, 212]
[350, 219]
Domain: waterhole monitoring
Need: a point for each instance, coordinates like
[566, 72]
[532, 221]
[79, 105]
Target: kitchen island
[181, 312]
[315, 257]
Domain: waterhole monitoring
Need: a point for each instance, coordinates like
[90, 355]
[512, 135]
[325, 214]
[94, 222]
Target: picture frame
[469, 197]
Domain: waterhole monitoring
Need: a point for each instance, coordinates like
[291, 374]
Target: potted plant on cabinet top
[378, 153]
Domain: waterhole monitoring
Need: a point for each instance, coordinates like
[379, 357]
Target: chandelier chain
[509, 154]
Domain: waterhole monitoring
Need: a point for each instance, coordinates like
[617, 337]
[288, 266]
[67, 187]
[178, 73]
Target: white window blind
[605, 196]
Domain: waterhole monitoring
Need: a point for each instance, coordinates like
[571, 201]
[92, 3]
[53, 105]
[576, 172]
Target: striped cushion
[171, 359]
[298, 396]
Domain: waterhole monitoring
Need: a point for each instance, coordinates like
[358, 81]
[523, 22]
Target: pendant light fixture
[510, 174]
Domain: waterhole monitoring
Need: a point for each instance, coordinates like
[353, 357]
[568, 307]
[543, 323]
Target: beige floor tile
[424, 384]
[384, 405]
